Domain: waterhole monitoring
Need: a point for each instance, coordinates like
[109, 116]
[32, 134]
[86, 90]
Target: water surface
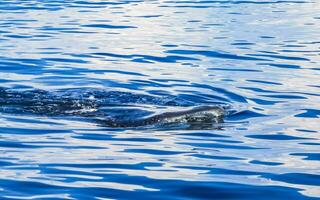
[260, 57]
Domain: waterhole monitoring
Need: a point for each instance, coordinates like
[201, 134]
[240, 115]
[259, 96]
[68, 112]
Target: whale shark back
[197, 114]
[109, 108]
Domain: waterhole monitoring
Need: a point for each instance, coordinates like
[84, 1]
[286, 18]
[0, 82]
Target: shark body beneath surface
[194, 115]
[110, 108]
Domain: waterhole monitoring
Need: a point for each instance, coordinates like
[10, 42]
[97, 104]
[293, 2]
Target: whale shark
[193, 115]
[110, 108]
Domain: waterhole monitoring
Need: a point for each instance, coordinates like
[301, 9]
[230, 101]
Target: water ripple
[65, 66]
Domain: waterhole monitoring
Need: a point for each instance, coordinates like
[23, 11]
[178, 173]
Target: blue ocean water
[260, 57]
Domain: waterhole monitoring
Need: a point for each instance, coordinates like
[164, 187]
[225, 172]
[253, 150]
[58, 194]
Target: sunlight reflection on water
[260, 57]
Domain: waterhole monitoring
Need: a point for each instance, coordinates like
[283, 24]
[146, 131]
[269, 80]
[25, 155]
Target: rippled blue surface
[261, 57]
